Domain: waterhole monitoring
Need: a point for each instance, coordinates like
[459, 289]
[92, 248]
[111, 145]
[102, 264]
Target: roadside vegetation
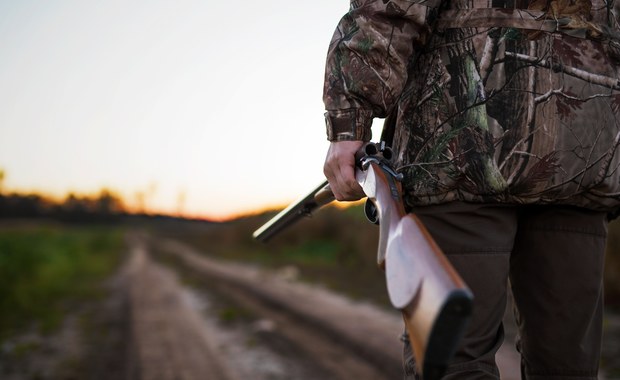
[46, 269]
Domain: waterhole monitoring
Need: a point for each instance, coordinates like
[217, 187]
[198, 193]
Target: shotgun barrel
[303, 207]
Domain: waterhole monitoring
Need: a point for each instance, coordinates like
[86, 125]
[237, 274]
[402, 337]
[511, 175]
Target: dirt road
[289, 330]
[174, 313]
[291, 327]
[169, 339]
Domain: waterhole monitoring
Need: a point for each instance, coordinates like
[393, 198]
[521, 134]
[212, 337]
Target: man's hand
[339, 169]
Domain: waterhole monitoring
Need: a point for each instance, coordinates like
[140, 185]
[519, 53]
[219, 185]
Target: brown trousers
[552, 257]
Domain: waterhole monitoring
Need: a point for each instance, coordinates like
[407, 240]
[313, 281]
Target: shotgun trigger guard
[370, 210]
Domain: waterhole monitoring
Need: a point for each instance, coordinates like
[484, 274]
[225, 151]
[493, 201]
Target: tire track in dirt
[168, 338]
[346, 340]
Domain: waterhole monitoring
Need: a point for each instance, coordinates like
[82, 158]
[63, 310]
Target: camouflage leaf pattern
[512, 101]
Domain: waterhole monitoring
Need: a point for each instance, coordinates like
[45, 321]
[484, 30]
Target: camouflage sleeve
[367, 60]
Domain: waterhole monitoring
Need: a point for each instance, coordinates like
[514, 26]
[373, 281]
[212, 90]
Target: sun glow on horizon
[167, 104]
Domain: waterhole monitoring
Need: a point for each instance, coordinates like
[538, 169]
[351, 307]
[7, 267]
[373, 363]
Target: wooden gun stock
[422, 284]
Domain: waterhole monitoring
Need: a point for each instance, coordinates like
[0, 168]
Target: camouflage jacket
[512, 101]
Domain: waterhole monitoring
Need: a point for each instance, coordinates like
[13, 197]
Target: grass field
[46, 269]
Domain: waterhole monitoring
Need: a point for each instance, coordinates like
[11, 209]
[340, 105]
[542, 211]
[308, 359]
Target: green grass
[44, 269]
[317, 252]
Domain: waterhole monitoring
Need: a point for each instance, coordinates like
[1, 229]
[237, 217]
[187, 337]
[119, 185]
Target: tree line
[105, 206]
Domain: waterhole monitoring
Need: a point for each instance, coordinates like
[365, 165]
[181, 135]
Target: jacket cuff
[347, 125]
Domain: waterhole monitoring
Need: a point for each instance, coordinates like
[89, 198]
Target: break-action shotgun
[434, 301]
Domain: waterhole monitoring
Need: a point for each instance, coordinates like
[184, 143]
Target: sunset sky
[209, 107]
